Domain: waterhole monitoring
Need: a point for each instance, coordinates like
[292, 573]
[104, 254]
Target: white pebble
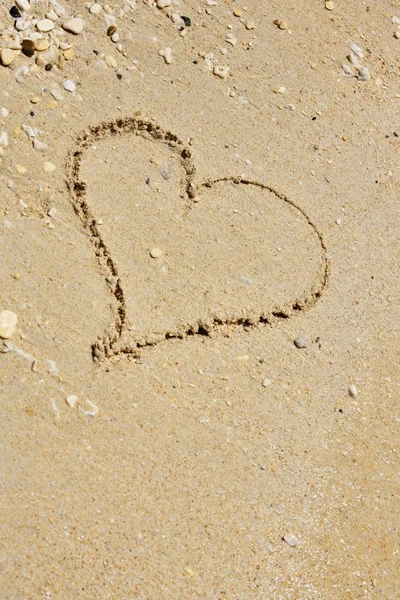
[353, 392]
[58, 9]
[250, 25]
[267, 382]
[38, 145]
[221, 71]
[166, 54]
[51, 15]
[3, 139]
[115, 37]
[155, 253]
[45, 25]
[3, 112]
[93, 412]
[95, 9]
[71, 400]
[300, 342]
[111, 62]
[23, 5]
[163, 3]
[57, 95]
[396, 20]
[49, 167]
[363, 74]
[6, 56]
[230, 39]
[69, 85]
[8, 323]
[74, 25]
[291, 540]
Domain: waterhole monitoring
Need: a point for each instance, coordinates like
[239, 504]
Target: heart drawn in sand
[233, 252]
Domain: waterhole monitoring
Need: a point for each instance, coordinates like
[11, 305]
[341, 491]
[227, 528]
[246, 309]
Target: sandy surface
[273, 197]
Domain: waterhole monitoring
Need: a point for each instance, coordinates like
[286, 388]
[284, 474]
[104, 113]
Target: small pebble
[69, 85]
[8, 323]
[357, 50]
[237, 12]
[23, 5]
[49, 167]
[69, 54]
[35, 99]
[281, 24]
[3, 139]
[166, 53]
[45, 25]
[38, 145]
[71, 400]
[42, 45]
[111, 30]
[6, 56]
[353, 392]
[291, 540]
[74, 25]
[267, 382]
[155, 253]
[363, 74]
[110, 61]
[300, 342]
[221, 71]
[28, 47]
[115, 37]
[329, 5]
[163, 3]
[21, 169]
[230, 39]
[95, 9]
[250, 25]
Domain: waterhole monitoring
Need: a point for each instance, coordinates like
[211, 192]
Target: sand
[272, 196]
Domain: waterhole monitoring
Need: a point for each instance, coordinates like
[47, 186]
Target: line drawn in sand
[120, 338]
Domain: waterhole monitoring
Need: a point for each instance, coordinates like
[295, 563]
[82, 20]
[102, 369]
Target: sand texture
[200, 239]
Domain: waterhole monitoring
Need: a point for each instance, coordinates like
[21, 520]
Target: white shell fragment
[353, 392]
[221, 71]
[71, 400]
[93, 412]
[363, 74]
[357, 50]
[8, 323]
[166, 53]
[291, 540]
[69, 85]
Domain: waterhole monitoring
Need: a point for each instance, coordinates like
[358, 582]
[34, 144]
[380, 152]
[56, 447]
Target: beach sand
[184, 225]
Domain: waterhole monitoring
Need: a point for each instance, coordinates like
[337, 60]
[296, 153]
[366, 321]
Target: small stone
[8, 323]
[281, 90]
[95, 9]
[115, 37]
[167, 55]
[250, 25]
[111, 30]
[23, 5]
[3, 139]
[329, 5]
[237, 12]
[69, 54]
[230, 39]
[14, 12]
[69, 85]
[291, 540]
[155, 253]
[221, 71]
[21, 169]
[57, 95]
[51, 15]
[357, 50]
[110, 61]
[163, 3]
[38, 145]
[49, 167]
[6, 56]
[45, 25]
[74, 25]
[71, 400]
[42, 45]
[28, 47]
[363, 74]
[35, 99]
[300, 342]
[281, 24]
[353, 392]
[267, 382]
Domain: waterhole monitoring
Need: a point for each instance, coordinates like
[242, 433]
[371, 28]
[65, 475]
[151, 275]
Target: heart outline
[111, 344]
